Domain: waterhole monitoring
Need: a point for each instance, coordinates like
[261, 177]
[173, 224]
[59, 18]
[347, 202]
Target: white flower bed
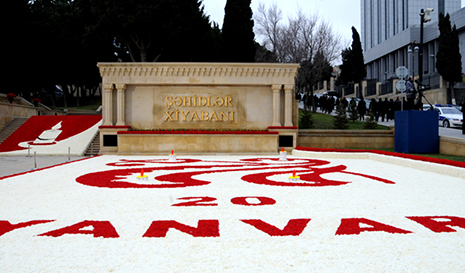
[77, 145]
[125, 234]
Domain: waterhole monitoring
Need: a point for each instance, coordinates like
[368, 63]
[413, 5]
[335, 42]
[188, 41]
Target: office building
[390, 28]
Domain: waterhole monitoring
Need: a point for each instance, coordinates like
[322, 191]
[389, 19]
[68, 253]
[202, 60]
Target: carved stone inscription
[203, 107]
[196, 108]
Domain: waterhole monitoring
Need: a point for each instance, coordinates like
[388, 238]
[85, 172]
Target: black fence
[371, 87]
[386, 87]
[349, 89]
[432, 80]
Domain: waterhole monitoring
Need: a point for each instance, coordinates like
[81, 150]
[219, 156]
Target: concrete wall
[341, 139]
[16, 110]
[197, 144]
[451, 146]
[4, 121]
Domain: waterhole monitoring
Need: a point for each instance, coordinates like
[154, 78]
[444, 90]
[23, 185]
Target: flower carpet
[52, 135]
[348, 212]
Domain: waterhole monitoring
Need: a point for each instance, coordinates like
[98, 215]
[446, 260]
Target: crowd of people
[381, 109]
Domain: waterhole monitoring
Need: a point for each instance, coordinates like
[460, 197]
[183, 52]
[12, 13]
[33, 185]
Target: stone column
[107, 104]
[288, 89]
[120, 104]
[276, 104]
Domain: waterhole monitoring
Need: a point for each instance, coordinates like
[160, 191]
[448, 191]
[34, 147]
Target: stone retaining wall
[16, 110]
[344, 139]
[451, 146]
[197, 144]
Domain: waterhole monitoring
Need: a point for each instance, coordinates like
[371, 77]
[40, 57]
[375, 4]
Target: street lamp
[424, 18]
[412, 53]
[432, 63]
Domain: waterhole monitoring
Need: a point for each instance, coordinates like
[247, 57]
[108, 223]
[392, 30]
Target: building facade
[391, 35]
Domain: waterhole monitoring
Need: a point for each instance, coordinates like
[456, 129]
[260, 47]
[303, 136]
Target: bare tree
[268, 25]
[303, 39]
[298, 39]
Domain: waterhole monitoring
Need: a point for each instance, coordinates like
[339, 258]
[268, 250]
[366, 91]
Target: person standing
[390, 111]
[344, 103]
[362, 109]
[397, 105]
[381, 110]
[374, 108]
[410, 89]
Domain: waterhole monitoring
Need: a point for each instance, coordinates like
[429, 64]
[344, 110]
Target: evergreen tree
[237, 33]
[359, 71]
[306, 121]
[170, 30]
[263, 55]
[345, 76]
[448, 61]
[370, 123]
[310, 73]
[353, 64]
[340, 120]
[16, 45]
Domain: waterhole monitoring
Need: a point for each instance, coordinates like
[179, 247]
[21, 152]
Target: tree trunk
[452, 92]
[313, 101]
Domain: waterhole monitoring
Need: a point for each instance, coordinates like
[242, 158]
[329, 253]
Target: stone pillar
[288, 89]
[107, 104]
[364, 88]
[276, 104]
[332, 83]
[121, 106]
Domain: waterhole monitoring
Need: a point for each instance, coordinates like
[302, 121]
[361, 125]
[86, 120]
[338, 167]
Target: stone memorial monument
[198, 108]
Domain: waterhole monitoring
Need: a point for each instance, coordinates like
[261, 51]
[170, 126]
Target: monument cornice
[198, 73]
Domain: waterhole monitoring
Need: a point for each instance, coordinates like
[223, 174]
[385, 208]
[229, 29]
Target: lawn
[324, 121]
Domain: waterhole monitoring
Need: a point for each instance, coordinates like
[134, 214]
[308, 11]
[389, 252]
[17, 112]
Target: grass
[324, 121]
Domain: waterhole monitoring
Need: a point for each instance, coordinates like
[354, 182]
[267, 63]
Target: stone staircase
[94, 146]
[10, 128]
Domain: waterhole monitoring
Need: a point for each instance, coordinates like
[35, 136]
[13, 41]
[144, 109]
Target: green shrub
[341, 120]
[306, 121]
[370, 123]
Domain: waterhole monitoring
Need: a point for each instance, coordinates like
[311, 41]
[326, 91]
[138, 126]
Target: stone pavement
[17, 164]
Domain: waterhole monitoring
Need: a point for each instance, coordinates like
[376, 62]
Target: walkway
[445, 132]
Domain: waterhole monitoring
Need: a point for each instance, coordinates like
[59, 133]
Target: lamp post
[412, 53]
[424, 18]
[432, 63]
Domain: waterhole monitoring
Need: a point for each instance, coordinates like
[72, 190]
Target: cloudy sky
[342, 14]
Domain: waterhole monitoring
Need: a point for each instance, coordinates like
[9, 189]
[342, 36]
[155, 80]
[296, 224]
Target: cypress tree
[448, 63]
[359, 71]
[353, 64]
[237, 33]
[358, 62]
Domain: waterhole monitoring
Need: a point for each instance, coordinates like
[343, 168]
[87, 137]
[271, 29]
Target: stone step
[94, 146]
[10, 128]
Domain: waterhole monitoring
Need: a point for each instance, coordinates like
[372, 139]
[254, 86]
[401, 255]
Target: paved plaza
[351, 212]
